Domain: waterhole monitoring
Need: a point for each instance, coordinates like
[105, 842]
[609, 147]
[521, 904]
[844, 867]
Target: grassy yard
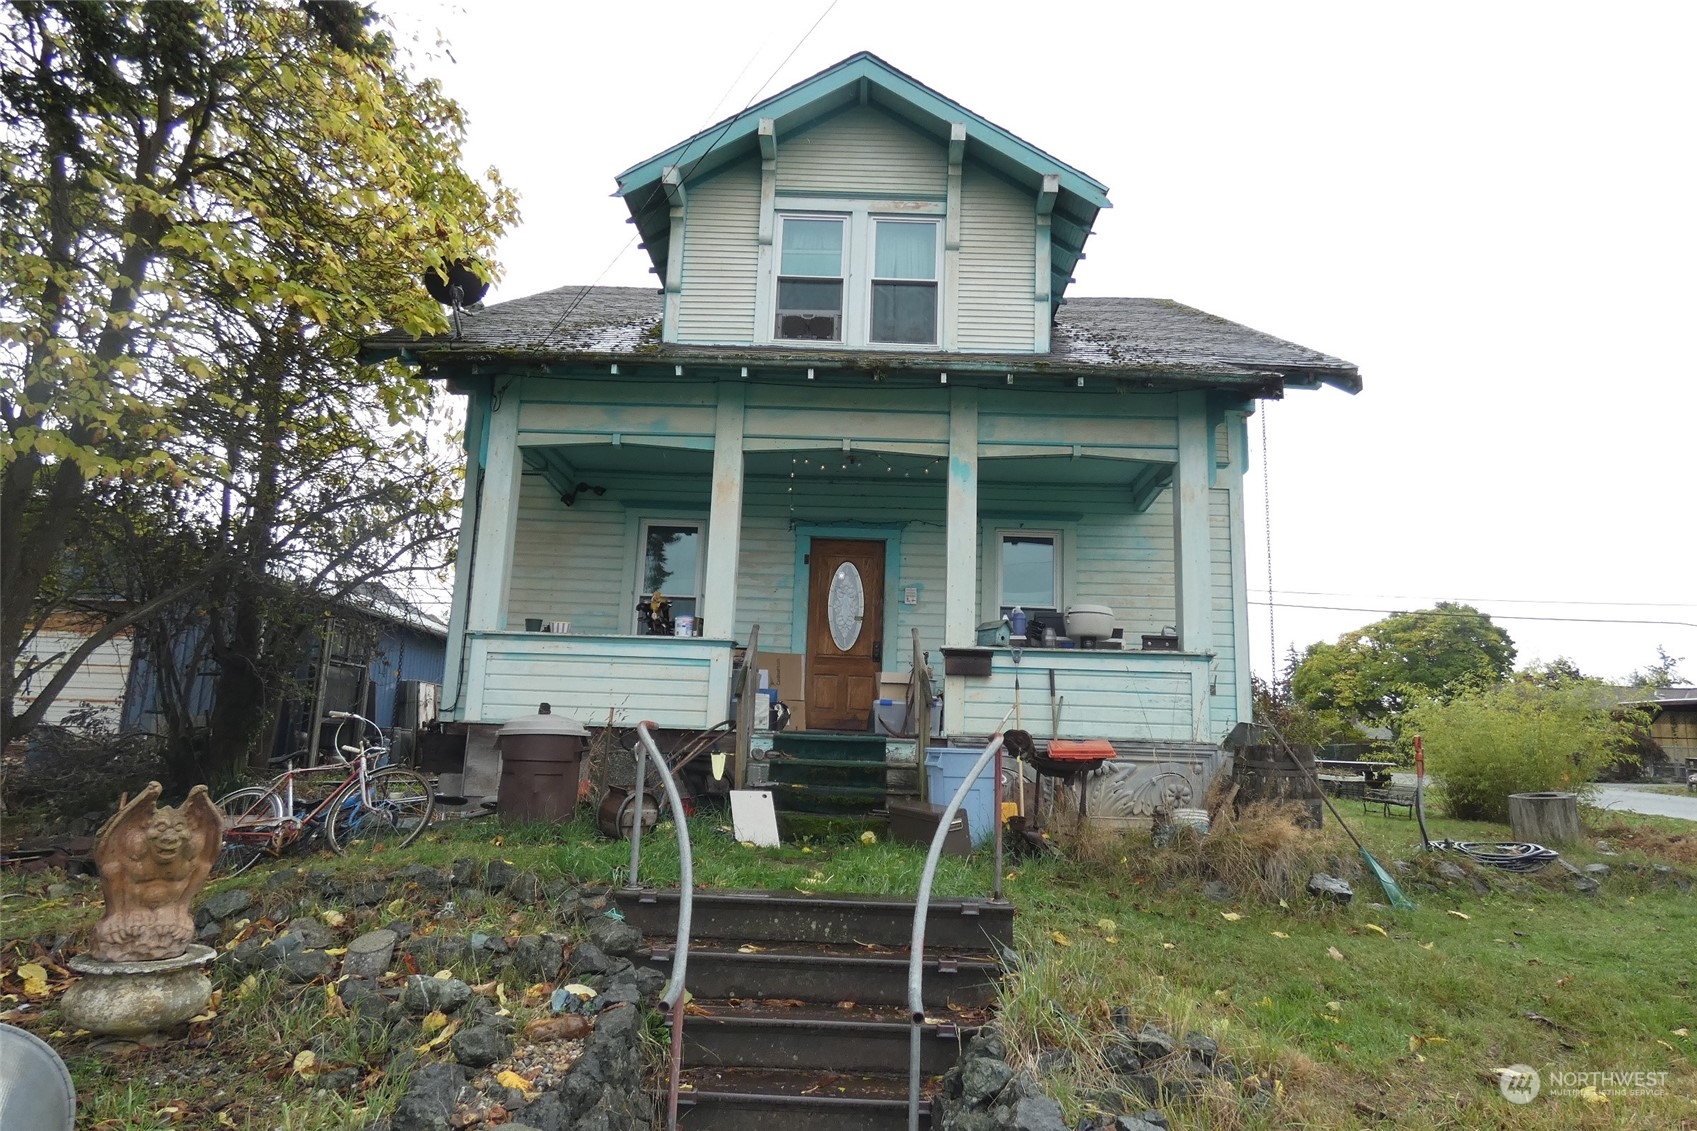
[1351, 1017]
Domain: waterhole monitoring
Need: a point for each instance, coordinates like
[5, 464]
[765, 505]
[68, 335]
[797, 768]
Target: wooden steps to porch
[799, 1002]
[823, 772]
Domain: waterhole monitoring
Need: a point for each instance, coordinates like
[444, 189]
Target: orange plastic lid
[1080, 750]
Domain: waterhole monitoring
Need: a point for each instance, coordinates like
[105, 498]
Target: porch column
[1194, 603]
[960, 607]
[724, 518]
[491, 563]
[452, 705]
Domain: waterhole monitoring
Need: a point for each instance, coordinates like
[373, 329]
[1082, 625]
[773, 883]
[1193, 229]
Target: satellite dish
[35, 1088]
[462, 286]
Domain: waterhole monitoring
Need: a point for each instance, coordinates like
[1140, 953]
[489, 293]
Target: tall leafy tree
[1375, 673]
[204, 206]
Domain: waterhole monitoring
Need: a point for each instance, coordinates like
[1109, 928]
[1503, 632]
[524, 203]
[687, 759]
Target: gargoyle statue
[153, 862]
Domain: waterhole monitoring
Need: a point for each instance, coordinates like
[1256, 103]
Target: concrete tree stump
[1545, 818]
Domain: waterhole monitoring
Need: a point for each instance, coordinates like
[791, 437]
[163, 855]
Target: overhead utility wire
[729, 122]
[1482, 600]
[1470, 616]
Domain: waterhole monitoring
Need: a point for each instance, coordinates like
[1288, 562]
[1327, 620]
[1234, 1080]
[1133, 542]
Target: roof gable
[865, 79]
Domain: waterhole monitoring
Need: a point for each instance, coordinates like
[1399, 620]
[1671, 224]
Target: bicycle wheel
[392, 812]
[256, 808]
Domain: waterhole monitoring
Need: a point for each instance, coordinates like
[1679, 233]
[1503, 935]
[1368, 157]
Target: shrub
[1519, 737]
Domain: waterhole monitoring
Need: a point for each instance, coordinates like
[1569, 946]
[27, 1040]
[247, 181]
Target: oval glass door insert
[846, 606]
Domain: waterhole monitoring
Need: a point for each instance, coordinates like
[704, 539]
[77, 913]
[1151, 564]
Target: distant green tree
[1663, 673]
[1376, 673]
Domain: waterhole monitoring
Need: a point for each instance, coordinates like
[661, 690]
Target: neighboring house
[1673, 725]
[861, 405]
[373, 657]
[95, 691]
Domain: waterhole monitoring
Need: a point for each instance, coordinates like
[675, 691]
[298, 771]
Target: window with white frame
[810, 279]
[670, 559]
[904, 281]
[1028, 570]
[857, 278]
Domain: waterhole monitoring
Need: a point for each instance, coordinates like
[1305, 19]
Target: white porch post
[491, 565]
[1190, 528]
[724, 518]
[961, 599]
[452, 706]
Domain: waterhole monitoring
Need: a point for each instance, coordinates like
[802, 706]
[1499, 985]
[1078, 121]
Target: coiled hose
[1510, 856]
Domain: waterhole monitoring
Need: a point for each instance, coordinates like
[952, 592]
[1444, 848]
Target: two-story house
[859, 405]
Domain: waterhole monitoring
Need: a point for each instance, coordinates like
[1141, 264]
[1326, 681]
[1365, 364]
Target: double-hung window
[810, 279]
[670, 557]
[904, 281]
[857, 278]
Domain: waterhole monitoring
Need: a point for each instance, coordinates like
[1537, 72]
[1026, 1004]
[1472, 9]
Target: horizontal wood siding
[98, 683]
[1222, 703]
[766, 584]
[779, 416]
[721, 258]
[674, 683]
[567, 561]
[998, 259]
[1107, 695]
[862, 150]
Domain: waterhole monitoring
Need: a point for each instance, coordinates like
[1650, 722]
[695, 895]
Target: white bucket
[683, 626]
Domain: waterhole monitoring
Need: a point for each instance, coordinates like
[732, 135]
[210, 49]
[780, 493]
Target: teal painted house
[859, 405]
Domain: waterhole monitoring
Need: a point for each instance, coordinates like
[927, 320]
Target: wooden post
[724, 518]
[1190, 525]
[492, 564]
[1545, 818]
[960, 600]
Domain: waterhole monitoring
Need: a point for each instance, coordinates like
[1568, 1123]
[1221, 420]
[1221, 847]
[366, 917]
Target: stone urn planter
[132, 999]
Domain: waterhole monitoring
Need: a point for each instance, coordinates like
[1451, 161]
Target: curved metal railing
[922, 904]
[673, 996]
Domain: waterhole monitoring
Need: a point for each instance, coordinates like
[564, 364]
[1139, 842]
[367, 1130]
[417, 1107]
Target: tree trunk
[1545, 818]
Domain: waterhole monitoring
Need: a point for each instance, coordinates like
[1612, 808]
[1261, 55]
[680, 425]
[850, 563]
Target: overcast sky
[1487, 207]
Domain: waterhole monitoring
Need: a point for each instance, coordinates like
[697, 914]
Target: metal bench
[1395, 796]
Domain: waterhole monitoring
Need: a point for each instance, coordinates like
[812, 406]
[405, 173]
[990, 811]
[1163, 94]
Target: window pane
[812, 247]
[904, 312]
[905, 250]
[669, 566]
[1028, 572]
[804, 296]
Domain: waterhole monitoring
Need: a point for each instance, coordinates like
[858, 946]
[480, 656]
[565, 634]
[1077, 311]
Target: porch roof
[1150, 339]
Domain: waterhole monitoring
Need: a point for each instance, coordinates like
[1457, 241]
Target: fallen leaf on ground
[305, 1062]
[1335, 1006]
[1280, 935]
[565, 1027]
[439, 1039]
[34, 979]
[334, 918]
[1376, 929]
[1059, 939]
[433, 1021]
[397, 906]
[1107, 926]
[1335, 953]
[1460, 914]
[1427, 945]
[510, 1079]
[1591, 1095]
[1169, 946]
[1682, 1031]
[749, 948]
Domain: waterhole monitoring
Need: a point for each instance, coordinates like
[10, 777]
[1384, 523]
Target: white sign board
[752, 817]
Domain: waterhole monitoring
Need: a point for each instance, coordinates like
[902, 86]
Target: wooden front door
[845, 632]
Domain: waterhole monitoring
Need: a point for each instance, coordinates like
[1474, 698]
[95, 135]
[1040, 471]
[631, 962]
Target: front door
[845, 632]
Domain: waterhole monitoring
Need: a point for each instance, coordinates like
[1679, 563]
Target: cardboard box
[896, 686]
[787, 671]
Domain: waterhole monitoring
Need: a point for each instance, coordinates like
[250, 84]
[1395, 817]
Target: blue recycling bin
[945, 768]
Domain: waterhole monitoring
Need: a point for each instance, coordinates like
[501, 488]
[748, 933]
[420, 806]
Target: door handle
[878, 651]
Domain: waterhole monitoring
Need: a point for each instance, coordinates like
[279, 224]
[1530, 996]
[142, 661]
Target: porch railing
[673, 996]
[922, 905]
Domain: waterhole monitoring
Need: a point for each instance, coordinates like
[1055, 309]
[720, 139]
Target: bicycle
[373, 799]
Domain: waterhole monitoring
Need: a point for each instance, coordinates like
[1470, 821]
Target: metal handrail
[922, 904]
[673, 996]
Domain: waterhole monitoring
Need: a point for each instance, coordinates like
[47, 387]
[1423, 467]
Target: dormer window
[857, 278]
[810, 280]
[904, 281]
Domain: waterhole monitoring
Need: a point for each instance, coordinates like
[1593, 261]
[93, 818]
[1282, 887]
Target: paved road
[1612, 796]
[1643, 801]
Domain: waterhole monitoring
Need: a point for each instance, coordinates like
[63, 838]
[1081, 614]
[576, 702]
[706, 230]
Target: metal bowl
[35, 1086]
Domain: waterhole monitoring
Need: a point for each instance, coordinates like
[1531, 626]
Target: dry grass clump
[1262, 851]
[1676, 848]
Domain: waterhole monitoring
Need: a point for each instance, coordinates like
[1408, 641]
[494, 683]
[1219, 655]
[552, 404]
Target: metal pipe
[673, 996]
[637, 797]
[922, 902]
[996, 823]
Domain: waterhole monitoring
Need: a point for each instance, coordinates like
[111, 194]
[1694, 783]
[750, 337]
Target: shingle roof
[1140, 337]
